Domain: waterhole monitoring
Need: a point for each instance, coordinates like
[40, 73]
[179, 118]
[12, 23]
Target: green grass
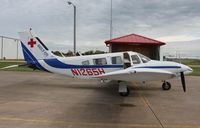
[188, 61]
[193, 63]
[196, 71]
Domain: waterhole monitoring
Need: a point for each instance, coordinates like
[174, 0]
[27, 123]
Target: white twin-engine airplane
[123, 67]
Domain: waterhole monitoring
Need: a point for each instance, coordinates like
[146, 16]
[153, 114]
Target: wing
[138, 74]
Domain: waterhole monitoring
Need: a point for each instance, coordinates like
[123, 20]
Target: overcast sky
[52, 21]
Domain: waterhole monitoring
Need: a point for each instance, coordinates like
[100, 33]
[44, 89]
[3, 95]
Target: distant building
[136, 43]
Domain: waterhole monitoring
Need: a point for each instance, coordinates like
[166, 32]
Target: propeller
[183, 81]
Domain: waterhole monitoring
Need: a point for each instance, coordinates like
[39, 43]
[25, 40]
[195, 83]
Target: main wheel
[125, 93]
[166, 86]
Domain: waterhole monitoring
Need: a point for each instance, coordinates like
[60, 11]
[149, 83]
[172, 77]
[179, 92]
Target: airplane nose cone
[186, 69]
[190, 69]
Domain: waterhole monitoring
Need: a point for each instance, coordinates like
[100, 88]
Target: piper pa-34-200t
[123, 67]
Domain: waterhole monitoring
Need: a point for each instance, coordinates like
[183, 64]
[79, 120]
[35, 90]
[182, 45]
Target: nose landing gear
[166, 86]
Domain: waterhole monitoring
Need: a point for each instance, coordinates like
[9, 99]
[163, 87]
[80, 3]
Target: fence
[10, 48]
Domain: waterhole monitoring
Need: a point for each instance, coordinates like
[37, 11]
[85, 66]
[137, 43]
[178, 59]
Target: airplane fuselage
[88, 67]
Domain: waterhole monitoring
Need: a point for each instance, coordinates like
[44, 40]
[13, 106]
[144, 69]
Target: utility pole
[2, 47]
[70, 3]
[111, 22]
[17, 49]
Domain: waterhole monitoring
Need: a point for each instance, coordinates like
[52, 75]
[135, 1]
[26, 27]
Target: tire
[124, 93]
[166, 86]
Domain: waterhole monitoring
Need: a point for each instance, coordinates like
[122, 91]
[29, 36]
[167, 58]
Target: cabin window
[135, 59]
[116, 60]
[100, 61]
[144, 58]
[86, 62]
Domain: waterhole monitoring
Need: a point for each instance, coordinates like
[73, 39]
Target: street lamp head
[69, 2]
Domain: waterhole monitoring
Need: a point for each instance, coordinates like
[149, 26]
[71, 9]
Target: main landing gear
[123, 89]
[166, 85]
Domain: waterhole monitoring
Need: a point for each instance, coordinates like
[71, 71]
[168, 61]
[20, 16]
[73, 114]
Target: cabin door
[127, 61]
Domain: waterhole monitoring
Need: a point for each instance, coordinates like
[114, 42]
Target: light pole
[70, 3]
[111, 19]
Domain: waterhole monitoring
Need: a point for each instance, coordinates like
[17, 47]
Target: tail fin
[33, 48]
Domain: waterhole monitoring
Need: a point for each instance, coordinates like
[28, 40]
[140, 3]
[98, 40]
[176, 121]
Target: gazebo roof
[134, 39]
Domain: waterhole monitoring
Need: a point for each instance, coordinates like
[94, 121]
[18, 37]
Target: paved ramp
[42, 100]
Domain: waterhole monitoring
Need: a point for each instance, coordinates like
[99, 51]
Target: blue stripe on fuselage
[158, 67]
[58, 64]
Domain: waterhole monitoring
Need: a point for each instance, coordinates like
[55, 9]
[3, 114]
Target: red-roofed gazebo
[136, 43]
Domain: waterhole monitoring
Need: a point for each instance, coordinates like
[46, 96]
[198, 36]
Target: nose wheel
[166, 86]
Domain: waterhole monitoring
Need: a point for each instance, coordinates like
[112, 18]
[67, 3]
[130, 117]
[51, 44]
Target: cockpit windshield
[144, 58]
[135, 59]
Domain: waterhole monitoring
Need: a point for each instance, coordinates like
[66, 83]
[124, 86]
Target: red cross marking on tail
[31, 43]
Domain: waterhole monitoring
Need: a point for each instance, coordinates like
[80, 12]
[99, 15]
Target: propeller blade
[183, 81]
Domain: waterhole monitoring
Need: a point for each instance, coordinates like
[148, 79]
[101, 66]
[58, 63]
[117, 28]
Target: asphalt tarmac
[43, 100]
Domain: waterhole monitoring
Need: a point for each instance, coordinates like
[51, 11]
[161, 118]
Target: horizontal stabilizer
[11, 66]
[14, 66]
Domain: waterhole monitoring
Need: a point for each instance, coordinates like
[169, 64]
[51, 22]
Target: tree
[57, 53]
[88, 52]
[99, 52]
[70, 53]
[91, 52]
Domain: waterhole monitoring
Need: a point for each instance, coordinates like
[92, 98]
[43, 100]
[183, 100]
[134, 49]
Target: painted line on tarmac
[148, 105]
[155, 115]
[71, 123]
